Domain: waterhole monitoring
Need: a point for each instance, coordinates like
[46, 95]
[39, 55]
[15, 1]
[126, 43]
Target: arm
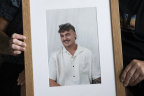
[4, 44]
[96, 81]
[53, 72]
[95, 69]
[52, 83]
[21, 78]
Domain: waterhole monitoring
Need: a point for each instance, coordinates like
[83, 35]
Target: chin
[66, 45]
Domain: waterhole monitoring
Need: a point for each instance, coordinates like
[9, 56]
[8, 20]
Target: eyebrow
[67, 33]
[61, 35]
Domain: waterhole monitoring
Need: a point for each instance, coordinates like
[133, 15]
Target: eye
[61, 36]
[68, 34]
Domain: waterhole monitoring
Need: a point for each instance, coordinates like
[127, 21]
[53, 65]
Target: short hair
[66, 27]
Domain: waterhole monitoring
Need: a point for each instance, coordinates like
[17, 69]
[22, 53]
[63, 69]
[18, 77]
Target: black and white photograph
[73, 47]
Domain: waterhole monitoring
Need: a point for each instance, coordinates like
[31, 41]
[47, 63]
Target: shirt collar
[78, 50]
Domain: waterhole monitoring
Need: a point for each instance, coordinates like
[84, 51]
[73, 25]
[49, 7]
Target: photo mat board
[36, 56]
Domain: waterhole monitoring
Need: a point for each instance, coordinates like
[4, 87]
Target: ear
[75, 35]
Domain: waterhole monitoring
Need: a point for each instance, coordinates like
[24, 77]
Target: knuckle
[122, 78]
[138, 64]
[130, 74]
[127, 79]
[19, 52]
[21, 48]
[139, 69]
[19, 42]
[17, 48]
[22, 44]
[14, 41]
[126, 70]
[15, 53]
[134, 60]
[142, 73]
[126, 82]
[13, 35]
[133, 78]
[13, 46]
[139, 79]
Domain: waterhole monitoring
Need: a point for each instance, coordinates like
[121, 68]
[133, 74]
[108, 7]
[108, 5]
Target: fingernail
[24, 49]
[24, 37]
[25, 45]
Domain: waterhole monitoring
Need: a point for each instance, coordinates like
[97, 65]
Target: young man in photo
[72, 64]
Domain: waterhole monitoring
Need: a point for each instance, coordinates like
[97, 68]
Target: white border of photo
[40, 49]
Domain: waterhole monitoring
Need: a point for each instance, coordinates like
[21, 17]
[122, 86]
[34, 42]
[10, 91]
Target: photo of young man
[72, 64]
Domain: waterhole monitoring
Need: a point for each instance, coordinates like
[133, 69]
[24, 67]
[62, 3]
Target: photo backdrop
[85, 22]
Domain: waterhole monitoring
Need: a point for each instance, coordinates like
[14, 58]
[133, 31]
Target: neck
[72, 48]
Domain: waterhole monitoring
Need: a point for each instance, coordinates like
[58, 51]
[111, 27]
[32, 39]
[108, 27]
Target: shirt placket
[74, 76]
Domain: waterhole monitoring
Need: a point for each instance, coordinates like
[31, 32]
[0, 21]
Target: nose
[64, 38]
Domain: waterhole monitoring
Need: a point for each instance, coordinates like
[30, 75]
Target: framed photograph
[73, 48]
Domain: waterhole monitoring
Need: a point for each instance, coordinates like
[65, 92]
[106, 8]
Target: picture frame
[31, 65]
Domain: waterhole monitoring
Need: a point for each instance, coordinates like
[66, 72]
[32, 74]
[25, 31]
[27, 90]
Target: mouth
[66, 41]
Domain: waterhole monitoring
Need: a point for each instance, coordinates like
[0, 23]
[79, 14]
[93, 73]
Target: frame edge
[28, 53]
[117, 46]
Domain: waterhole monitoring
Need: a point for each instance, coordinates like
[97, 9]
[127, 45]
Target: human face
[3, 24]
[68, 38]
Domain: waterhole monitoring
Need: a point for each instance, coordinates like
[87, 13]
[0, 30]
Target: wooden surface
[118, 60]
[28, 52]
[120, 90]
[23, 90]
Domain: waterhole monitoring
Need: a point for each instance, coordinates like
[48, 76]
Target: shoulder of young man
[86, 51]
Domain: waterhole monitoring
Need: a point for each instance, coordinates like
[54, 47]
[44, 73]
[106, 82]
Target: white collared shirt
[66, 69]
